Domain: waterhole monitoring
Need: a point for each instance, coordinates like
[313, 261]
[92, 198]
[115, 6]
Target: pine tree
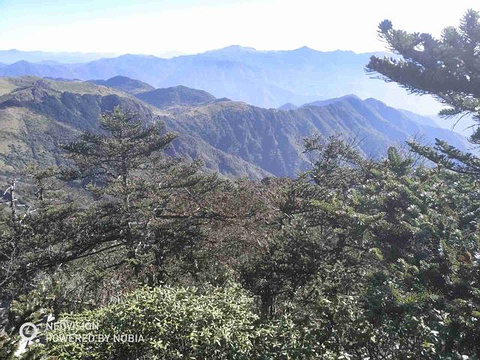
[147, 208]
[447, 68]
[125, 146]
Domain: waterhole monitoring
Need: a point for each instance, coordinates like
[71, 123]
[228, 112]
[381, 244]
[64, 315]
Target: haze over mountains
[14, 55]
[244, 112]
[233, 138]
[262, 78]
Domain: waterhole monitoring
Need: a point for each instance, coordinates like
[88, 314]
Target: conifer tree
[146, 207]
[447, 68]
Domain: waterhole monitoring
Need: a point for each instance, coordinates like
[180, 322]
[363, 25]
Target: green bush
[175, 323]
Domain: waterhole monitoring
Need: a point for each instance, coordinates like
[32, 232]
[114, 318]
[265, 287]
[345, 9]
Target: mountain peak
[21, 62]
[374, 101]
[239, 47]
[136, 56]
[125, 84]
[349, 97]
[179, 95]
[305, 49]
[288, 106]
[232, 49]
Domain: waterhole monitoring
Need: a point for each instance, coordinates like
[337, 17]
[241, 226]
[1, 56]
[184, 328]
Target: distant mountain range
[13, 56]
[464, 125]
[262, 78]
[126, 84]
[233, 138]
[178, 95]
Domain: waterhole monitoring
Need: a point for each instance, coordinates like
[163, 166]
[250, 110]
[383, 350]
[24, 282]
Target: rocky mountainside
[233, 138]
[38, 115]
[273, 139]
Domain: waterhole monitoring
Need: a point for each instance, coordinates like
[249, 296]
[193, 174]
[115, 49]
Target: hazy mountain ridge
[234, 138]
[272, 139]
[37, 115]
[126, 84]
[176, 96]
[14, 55]
[288, 106]
[463, 124]
[262, 78]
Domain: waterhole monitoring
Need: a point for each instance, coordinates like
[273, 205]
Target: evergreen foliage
[447, 68]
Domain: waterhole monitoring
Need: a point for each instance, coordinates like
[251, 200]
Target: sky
[189, 26]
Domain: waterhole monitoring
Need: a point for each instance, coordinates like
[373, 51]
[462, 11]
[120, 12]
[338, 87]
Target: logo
[28, 331]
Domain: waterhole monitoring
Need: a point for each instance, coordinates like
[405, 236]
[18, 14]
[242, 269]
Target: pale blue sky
[189, 26]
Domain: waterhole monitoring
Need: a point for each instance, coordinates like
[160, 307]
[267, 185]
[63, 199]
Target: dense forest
[356, 258]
